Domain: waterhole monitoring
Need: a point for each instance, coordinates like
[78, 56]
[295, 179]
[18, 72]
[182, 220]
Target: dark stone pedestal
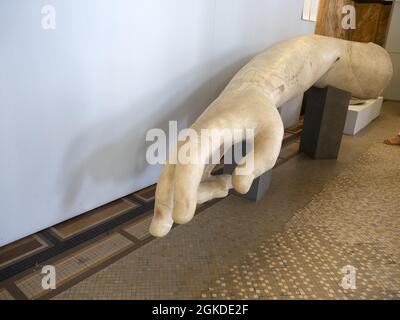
[324, 121]
[259, 187]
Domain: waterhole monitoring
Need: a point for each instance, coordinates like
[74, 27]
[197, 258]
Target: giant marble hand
[250, 100]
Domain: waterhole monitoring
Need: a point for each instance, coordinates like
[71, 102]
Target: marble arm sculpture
[282, 72]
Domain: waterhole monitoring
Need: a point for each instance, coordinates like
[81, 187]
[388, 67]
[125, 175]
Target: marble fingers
[275, 76]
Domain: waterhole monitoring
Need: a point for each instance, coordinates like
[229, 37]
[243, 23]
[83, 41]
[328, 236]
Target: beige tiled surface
[354, 221]
[140, 229]
[4, 295]
[279, 248]
[21, 249]
[79, 225]
[75, 264]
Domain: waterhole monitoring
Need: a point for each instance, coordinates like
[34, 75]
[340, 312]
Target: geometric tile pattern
[291, 145]
[21, 249]
[297, 128]
[362, 206]
[4, 295]
[301, 260]
[354, 221]
[29, 252]
[140, 229]
[146, 195]
[239, 249]
[74, 264]
[92, 218]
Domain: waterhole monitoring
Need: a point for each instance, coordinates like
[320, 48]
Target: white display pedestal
[360, 116]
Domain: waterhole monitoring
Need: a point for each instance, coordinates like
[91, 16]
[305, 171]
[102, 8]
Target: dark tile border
[62, 246]
[59, 248]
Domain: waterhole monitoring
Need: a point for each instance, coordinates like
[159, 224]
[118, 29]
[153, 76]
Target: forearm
[291, 67]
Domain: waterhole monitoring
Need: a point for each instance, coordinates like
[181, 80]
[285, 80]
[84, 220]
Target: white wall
[393, 47]
[76, 102]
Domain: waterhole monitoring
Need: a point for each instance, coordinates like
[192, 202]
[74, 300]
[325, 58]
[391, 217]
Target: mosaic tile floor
[354, 221]
[86, 244]
[293, 244]
[303, 260]
[317, 217]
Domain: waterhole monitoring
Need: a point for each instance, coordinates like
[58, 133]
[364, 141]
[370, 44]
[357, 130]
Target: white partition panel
[77, 101]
